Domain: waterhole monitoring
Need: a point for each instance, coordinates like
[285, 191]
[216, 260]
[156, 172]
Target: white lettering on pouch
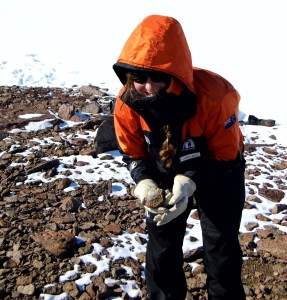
[189, 156]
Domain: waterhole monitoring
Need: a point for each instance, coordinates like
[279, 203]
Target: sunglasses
[154, 76]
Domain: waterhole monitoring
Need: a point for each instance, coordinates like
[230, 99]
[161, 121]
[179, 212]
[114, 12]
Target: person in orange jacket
[178, 131]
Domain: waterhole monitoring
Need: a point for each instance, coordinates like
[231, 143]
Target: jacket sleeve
[222, 129]
[132, 144]
[217, 115]
[224, 138]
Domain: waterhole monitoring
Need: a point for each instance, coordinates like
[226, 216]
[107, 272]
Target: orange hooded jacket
[158, 43]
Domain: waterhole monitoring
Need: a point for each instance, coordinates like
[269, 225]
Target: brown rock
[59, 243]
[273, 195]
[246, 239]
[24, 280]
[26, 289]
[70, 204]
[66, 111]
[113, 228]
[63, 183]
[155, 198]
[277, 246]
[90, 108]
[71, 289]
[280, 165]
[278, 208]
[251, 225]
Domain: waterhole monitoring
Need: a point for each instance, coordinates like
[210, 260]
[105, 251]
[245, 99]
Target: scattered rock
[276, 246]
[39, 221]
[274, 195]
[252, 120]
[60, 243]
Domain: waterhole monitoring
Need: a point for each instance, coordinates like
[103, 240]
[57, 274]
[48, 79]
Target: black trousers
[220, 201]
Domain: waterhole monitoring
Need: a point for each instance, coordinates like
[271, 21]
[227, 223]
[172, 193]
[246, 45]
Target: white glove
[183, 188]
[145, 190]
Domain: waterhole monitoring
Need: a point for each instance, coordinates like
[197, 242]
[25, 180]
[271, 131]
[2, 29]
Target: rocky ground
[39, 222]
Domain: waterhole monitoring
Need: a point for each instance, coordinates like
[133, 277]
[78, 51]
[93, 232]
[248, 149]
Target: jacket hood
[158, 43]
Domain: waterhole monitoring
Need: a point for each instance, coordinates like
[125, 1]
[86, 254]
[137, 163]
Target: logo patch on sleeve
[188, 145]
[230, 121]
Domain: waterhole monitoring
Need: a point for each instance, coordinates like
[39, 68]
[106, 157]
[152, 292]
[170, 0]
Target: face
[149, 84]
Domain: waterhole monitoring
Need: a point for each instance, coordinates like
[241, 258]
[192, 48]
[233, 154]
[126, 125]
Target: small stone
[26, 289]
[155, 198]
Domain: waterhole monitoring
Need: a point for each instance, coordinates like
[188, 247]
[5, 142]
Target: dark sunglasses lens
[143, 77]
[159, 77]
[139, 78]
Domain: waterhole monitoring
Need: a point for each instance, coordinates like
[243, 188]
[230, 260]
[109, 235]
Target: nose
[150, 86]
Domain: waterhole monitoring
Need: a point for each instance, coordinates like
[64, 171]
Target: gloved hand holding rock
[151, 196]
[183, 189]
